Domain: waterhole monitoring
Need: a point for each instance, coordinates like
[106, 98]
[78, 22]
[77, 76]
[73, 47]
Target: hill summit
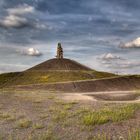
[59, 64]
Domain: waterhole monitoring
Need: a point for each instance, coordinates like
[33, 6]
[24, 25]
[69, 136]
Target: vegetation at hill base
[38, 77]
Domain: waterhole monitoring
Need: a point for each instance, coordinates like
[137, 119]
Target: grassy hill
[38, 77]
[53, 74]
[52, 71]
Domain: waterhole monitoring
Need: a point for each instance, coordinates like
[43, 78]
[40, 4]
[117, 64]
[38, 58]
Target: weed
[4, 116]
[60, 116]
[24, 123]
[7, 117]
[38, 126]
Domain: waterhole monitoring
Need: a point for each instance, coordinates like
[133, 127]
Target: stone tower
[59, 51]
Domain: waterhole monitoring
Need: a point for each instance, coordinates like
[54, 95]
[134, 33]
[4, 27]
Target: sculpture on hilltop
[59, 51]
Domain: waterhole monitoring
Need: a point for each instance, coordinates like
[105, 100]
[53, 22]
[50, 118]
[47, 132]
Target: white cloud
[109, 56]
[115, 63]
[124, 65]
[132, 44]
[21, 9]
[31, 52]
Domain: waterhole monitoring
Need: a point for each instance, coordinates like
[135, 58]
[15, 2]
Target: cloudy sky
[102, 34]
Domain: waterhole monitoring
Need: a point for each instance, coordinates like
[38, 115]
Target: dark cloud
[15, 18]
[20, 16]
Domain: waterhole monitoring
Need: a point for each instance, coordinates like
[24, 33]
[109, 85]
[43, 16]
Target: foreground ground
[42, 115]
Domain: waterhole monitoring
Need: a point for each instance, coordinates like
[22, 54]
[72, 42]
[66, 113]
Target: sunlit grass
[109, 115]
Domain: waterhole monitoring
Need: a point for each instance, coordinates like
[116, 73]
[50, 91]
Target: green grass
[35, 77]
[109, 115]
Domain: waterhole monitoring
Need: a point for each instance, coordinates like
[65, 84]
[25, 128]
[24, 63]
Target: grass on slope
[36, 77]
[105, 115]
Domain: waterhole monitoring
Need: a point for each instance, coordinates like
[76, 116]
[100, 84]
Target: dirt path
[111, 96]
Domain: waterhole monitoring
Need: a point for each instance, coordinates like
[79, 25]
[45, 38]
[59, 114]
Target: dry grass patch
[132, 135]
[24, 123]
[49, 135]
[65, 105]
[44, 116]
[60, 116]
[51, 97]
[135, 135]
[38, 101]
[38, 126]
[62, 111]
[7, 117]
[4, 115]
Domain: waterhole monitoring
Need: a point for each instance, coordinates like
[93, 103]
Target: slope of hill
[69, 76]
[25, 78]
[121, 83]
[52, 71]
[59, 64]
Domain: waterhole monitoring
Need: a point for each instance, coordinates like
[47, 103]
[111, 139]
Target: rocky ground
[49, 115]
